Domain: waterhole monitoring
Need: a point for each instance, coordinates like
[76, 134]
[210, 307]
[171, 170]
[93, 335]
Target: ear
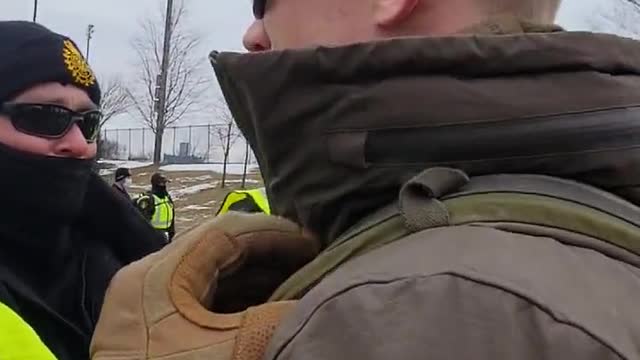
[392, 12]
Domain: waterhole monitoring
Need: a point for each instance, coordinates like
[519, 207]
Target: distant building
[184, 156]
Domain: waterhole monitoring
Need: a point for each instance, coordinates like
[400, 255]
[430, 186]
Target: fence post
[105, 137]
[209, 143]
[144, 154]
[174, 140]
[129, 143]
[226, 155]
[246, 163]
[190, 145]
[118, 143]
[100, 145]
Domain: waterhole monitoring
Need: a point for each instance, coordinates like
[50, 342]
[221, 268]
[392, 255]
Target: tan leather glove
[189, 300]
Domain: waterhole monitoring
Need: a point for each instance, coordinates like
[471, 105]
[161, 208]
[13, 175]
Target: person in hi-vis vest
[157, 206]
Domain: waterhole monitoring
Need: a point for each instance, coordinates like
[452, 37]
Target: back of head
[539, 11]
[158, 180]
[436, 17]
[307, 23]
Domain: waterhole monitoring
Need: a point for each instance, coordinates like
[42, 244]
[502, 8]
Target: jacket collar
[336, 131]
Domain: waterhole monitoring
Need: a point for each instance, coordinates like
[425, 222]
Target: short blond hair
[543, 11]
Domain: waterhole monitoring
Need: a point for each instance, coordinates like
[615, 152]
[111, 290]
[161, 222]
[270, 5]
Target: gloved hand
[189, 300]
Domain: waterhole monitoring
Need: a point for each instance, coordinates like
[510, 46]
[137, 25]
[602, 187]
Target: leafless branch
[635, 3]
[224, 127]
[222, 132]
[620, 17]
[115, 100]
[186, 79]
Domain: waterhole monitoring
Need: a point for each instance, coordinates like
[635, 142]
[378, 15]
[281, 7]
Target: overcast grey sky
[221, 22]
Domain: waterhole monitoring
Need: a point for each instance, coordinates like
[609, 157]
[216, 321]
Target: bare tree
[185, 76]
[225, 132]
[115, 100]
[108, 149]
[620, 17]
[635, 3]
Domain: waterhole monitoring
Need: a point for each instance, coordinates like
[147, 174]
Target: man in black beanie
[64, 232]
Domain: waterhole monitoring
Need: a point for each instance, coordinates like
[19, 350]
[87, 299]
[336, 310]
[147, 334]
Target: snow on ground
[139, 188]
[178, 193]
[192, 179]
[235, 169]
[196, 178]
[239, 181]
[119, 163]
[127, 164]
[196, 207]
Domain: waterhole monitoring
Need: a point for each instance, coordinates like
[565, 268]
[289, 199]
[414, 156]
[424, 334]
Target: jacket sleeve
[437, 317]
[146, 206]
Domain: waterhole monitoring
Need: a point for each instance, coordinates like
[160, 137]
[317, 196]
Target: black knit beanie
[31, 54]
[122, 173]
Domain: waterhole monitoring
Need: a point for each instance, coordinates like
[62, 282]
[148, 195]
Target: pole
[90, 30]
[246, 164]
[118, 143]
[174, 140]
[208, 143]
[190, 149]
[226, 156]
[35, 10]
[162, 98]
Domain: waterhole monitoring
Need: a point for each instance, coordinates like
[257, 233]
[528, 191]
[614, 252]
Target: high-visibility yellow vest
[259, 196]
[163, 214]
[18, 340]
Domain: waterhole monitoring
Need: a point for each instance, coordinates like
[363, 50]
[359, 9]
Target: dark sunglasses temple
[259, 7]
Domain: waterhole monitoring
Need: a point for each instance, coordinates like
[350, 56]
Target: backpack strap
[383, 227]
[548, 203]
[440, 197]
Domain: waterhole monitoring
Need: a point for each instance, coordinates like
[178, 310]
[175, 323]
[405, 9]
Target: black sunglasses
[259, 7]
[51, 121]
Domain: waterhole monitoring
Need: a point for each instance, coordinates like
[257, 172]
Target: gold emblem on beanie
[77, 65]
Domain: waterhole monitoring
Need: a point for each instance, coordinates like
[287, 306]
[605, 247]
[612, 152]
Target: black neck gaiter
[40, 190]
[43, 197]
[160, 191]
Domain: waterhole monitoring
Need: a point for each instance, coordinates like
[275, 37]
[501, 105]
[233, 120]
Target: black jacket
[120, 189]
[59, 289]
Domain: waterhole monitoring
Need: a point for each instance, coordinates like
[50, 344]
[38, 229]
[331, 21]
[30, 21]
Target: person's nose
[256, 38]
[72, 145]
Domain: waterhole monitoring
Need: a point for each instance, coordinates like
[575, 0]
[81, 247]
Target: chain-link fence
[190, 144]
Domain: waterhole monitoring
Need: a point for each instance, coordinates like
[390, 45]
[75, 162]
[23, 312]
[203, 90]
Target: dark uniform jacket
[55, 277]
